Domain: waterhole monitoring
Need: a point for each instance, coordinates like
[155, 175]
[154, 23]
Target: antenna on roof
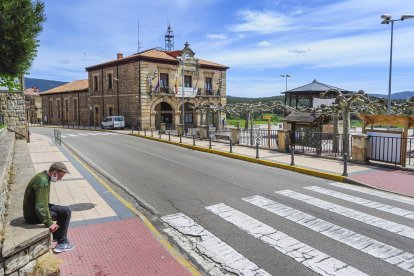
[169, 39]
[139, 43]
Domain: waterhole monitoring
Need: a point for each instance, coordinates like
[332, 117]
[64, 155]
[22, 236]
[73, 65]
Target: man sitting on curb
[37, 209]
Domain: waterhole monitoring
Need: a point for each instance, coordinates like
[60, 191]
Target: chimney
[119, 56]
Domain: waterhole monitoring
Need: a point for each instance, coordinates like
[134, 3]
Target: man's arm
[42, 205]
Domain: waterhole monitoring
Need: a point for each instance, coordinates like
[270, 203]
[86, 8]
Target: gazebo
[311, 91]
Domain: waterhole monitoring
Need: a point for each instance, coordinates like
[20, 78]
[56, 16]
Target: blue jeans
[61, 214]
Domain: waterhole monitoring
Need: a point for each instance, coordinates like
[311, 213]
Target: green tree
[20, 24]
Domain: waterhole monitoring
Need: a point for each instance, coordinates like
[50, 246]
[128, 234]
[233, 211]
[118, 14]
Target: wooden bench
[222, 137]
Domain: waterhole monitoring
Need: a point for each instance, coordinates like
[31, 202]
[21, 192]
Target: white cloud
[264, 44]
[216, 36]
[260, 21]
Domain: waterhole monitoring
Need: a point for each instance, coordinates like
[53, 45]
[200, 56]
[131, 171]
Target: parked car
[112, 122]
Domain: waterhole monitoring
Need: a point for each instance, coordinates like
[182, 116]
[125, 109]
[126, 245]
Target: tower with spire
[169, 39]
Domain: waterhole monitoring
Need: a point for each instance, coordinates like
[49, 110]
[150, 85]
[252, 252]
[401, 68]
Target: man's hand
[53, 228]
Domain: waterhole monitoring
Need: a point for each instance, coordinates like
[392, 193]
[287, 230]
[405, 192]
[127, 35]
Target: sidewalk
[110, 237]
[392, 180]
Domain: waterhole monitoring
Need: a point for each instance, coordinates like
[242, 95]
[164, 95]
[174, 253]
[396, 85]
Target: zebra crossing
[72, 135]
[227, 260]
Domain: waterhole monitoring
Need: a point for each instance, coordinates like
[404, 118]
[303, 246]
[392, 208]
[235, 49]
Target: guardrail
[58, 137]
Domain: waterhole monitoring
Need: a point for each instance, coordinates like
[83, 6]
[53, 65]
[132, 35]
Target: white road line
[377, 249]
[371, 191]
[206, 244]
[71, 135]
[364, 202]
[63, 136]
[386, 225]
[308, 256]
[84, 134]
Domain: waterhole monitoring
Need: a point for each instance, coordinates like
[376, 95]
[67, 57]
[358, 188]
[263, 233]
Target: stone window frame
[95, 82]
[75, 109]
[51, 108]
[109, 109]
[65, 109]
[58, 108]
[109, 80]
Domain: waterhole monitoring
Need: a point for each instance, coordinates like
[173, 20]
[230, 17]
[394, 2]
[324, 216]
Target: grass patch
[2, 126]
[48, 264]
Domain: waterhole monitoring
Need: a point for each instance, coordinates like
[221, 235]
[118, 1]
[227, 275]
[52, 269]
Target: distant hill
[43, 85]
[396, 96]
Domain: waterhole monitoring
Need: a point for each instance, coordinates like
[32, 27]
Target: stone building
[147, 88]
[34, 105]
[66, 104]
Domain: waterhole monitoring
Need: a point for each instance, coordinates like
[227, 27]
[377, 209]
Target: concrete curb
[295, 168]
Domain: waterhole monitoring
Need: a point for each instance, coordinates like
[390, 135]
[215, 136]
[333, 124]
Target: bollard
[180, 139]
[231, 146]
[345, 173]
[257, 150]
[209, 142]
[132, 129]
[152, 133]
[169, 136]
[138, 131]
[292, 159]
[193, 140]
[145, 132]
[159, 132]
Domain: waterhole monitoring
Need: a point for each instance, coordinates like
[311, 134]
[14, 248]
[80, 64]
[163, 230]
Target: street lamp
[181, 61]
[286, 76]
[387, 20]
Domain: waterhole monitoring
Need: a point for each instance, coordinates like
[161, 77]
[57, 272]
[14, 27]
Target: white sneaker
[63, 247]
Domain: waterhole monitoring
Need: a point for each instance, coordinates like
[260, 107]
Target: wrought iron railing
[319, 143]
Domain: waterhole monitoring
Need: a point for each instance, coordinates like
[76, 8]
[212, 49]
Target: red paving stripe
[124, 247]
[396, 181]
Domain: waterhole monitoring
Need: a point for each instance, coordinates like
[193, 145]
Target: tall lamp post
[387, 20]
[181, 61]
[286, 76]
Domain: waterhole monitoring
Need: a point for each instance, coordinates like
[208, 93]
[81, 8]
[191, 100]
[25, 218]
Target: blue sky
[340, 43]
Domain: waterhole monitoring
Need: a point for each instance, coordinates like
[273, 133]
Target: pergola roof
[302, 117]
[388, 119]
[314, 87]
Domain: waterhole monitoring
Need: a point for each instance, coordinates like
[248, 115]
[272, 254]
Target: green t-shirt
[36, 200]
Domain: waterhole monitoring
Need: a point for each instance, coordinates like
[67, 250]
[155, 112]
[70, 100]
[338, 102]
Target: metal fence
[319, 143]
[259, 135]
[394, 150]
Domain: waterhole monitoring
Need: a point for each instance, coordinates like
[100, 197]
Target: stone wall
[23, 244]
[13, 111]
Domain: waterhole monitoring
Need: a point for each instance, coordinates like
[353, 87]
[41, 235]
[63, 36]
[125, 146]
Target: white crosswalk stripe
[360, 242]
[209, 245]
[308, 256]
[390, 226]
[365, 202]
[370, 191]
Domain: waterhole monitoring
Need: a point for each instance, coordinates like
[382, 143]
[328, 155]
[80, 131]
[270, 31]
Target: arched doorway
[164, 114]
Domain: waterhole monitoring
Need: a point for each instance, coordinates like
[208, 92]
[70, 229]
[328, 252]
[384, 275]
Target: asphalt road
[329, 240]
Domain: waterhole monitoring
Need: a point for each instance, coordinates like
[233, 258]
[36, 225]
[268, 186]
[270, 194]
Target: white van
[113, 122]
